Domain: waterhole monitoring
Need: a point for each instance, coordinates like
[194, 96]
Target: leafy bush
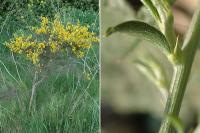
[52, 38]
[67, 100]
[46, 6]
[85, 4]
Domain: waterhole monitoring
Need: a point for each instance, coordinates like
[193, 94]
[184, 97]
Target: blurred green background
[130, 102]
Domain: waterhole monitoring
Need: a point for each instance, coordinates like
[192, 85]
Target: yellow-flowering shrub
[51, 38]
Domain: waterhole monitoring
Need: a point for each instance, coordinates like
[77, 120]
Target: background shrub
[68, 101]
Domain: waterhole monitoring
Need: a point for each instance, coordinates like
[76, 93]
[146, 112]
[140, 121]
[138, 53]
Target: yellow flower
[44, 21]
[53, 47]
[41, 30]
[55, 38]
[41, 45]
[34, 58]
[80, 54]
[43, 26]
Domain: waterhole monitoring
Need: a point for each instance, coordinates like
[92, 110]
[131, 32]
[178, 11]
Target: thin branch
[16, 67]
[9, 72]
[182, 73]
[34, 87]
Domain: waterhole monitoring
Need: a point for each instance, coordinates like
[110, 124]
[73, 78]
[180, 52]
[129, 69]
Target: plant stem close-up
[178, 49]
[182, 71]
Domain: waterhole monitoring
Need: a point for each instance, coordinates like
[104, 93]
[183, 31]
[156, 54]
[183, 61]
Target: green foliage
[161, 11]
[45, 6]
[21, 23]
[155, 72]
[85, 4]
[25, 9]
[68, 101]
[56, 110]
[143, 30]
[60, 38]
[65, 102]
[152, 8]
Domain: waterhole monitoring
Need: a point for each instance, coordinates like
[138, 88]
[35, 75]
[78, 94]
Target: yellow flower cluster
[51, 38]
[44, 26]
[75, 36]
[28, 46]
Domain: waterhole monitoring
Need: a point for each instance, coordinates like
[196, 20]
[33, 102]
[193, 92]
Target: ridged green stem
[181, 73]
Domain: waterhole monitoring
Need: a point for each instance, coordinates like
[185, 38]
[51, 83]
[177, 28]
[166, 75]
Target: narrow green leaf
[177, 123]
[146, 69]
[143, 31]
[162, 13]
[152, 9]
[153, 70]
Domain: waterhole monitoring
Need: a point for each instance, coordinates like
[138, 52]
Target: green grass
[66, 101]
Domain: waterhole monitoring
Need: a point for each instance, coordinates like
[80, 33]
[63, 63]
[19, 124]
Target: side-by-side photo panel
[149, 76]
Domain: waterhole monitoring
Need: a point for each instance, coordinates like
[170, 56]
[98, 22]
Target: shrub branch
[182, 73]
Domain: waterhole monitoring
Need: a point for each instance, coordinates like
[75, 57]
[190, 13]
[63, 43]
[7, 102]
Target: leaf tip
[109, 31]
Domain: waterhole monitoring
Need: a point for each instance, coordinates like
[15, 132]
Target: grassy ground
[67, 101]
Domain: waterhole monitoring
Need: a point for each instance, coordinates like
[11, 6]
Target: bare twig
[16, 68]
[34, 86]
